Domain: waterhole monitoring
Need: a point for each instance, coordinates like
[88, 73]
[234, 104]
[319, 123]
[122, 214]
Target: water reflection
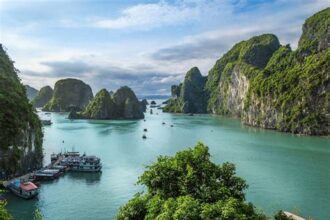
[89, 178]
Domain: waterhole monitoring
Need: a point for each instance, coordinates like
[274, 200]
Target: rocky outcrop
[192, 92]
[175, 91]
[143, 105]
[101, 107]
[21, 135]
[43, 97]
[30, 92]
[234, 70]
[316, 33]
[69, 94]
[190, 96]
[122, 105]
[128, 106]
[268, 85]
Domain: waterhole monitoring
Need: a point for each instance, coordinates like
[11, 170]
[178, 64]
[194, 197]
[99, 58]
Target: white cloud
[153, 15]
[145, 16]
[174, 56]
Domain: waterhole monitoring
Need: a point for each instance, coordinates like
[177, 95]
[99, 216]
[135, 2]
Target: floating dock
[60, 163]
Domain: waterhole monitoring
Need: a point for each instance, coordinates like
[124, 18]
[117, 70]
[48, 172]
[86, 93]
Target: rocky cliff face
[30, 92]
[271, 86]
[292, 92]
[101, 107]
[43, 97]
[190, 96]
[123, 104]
[316, 33]
[128, 106]
[229, 79]
[21, 135]
[143, 105]
[69, 94]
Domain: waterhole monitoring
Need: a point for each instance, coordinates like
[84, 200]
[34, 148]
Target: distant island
[30, 92]
[43, 97]
[69, 94]
[266, 84]
[123, 104]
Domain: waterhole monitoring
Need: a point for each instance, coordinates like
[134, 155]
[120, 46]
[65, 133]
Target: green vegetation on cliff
[248, 55]
[189, 97]
[123, 104]
[69, 94]
[101, 107]
[270, 86]
[43, 97]
[190, 186]
[21, 135]
[316, 33]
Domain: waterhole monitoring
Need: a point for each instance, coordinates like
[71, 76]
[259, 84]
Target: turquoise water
[283, 171]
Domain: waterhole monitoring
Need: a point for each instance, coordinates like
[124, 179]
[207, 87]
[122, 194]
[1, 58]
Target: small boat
[172, 125]
[163, 123]
[145, 130]
[144, 136]
[26, 190]
[46, 122]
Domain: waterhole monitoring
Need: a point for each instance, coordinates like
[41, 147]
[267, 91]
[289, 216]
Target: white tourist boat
[83, 163]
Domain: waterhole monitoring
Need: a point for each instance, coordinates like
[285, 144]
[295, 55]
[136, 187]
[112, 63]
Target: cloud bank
[146, 45]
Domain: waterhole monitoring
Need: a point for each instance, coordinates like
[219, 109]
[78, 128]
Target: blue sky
[147, 45]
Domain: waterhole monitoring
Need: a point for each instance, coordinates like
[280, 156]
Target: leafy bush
[190, 186]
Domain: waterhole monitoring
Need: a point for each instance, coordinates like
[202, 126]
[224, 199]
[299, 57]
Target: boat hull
[24, 194]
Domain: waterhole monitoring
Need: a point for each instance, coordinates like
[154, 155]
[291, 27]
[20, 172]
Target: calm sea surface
[283, 171]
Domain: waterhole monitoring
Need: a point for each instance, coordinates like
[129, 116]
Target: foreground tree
[4, 215]
[190, 186]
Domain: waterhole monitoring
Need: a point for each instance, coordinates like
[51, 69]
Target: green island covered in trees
[267, 84]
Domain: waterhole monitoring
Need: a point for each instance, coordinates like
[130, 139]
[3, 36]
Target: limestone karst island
[183, 110]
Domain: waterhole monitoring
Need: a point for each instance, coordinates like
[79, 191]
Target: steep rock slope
[292, 92]
[268, 85]
[101, 107]
[228, 80]
[30, 92]
[69, 94]
[43, 97]
[189, 97]
[128, 106]
[21, 135]
[123, 104]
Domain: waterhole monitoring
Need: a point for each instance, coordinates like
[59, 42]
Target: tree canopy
[190, 186]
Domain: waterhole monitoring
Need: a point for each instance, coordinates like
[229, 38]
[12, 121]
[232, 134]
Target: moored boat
[48, 174]
[26, 190]
[83, 163]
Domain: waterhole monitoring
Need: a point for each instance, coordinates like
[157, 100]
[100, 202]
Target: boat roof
[27, 186]
[51, 171]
